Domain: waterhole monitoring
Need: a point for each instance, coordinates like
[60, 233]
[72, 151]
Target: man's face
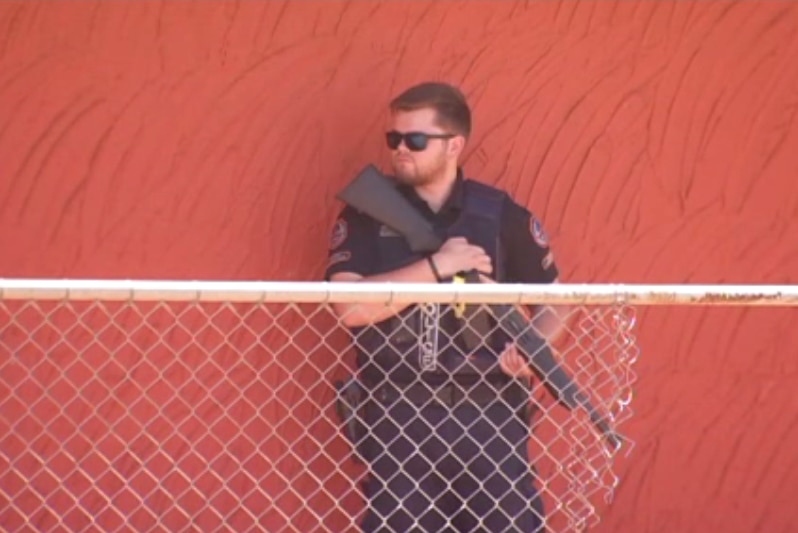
[425, 166]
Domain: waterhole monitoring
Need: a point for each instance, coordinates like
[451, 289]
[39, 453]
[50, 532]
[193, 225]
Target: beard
[410, 174]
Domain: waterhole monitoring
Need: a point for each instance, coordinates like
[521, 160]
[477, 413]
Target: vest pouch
[476, 325]
[390, 344]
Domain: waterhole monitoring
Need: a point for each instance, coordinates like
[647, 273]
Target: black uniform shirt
[529, 258]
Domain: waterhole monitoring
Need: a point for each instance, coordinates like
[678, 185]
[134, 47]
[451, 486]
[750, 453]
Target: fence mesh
[176, 415]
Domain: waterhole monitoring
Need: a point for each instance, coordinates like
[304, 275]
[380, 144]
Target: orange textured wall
[656, 139]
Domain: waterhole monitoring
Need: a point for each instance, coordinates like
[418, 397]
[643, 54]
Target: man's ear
[456, 146]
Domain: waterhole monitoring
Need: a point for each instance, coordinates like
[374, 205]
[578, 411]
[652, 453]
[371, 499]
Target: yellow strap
[459, 308]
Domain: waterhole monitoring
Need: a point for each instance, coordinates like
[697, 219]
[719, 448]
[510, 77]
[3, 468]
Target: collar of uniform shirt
[452, 206]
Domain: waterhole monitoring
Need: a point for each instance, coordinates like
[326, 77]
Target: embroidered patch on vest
[430, 319]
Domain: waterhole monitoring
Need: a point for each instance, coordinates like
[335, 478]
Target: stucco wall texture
[657, 141]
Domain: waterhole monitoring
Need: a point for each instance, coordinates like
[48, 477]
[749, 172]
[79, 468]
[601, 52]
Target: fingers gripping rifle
[376, 195]
[554, 376]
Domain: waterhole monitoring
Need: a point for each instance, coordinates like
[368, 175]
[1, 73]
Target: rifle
[376, 195]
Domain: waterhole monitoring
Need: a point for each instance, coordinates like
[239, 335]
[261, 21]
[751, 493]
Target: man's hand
[457, 255]
[513, 363]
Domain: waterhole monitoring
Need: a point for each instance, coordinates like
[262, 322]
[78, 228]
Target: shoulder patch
[547, 261]
[339, 257]
[339, 233]
[538, 233]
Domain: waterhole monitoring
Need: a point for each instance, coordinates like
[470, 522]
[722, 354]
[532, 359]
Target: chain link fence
[170, 412]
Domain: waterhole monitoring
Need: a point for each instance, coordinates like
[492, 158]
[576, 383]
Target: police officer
[447, 417]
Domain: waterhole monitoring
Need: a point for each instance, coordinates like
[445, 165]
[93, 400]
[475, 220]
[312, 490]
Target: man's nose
[402, 148]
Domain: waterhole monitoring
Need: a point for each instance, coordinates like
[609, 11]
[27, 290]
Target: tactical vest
[431, 341]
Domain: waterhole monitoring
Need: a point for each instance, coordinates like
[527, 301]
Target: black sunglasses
[416, 141]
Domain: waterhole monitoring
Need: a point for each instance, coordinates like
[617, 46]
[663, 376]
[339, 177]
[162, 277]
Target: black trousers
[439, 467]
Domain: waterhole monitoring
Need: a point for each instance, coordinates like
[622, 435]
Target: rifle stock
[376, 195]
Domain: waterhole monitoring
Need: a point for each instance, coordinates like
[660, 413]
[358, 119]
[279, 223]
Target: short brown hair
[447, 100]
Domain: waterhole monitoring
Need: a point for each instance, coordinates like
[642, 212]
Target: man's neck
[437, 192]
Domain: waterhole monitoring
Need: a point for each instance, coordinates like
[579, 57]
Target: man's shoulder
[350, 223]
[516, 218]
[498, 194]
[476, 187]
[479, 185]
